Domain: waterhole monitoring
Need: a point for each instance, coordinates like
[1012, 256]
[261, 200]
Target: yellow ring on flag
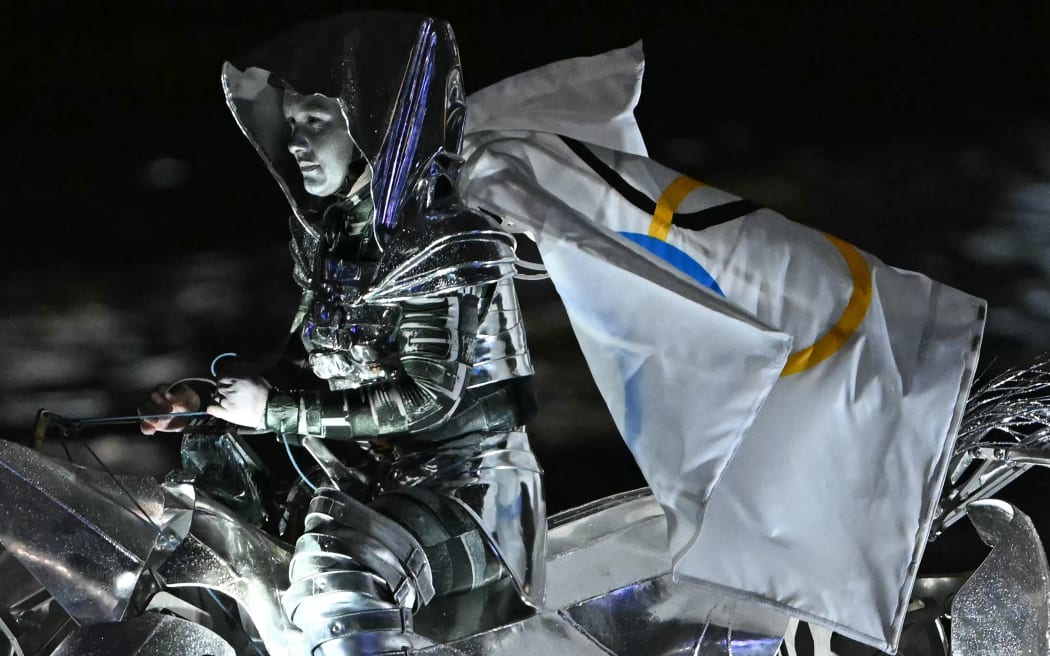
[852, 315]
[669, 201]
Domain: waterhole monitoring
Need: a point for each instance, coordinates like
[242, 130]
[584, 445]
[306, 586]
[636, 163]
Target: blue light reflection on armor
[404, 135]
[677, 258]
[658, 616]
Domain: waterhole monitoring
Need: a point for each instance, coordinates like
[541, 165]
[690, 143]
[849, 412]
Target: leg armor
[456, 547]
[360, 572]
[356, 578]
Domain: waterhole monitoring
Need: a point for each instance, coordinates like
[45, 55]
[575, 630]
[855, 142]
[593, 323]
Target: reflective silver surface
[449, 249]
[658, 616]
[150, 634]
[86, 536]
[426, 122]
[500, 352]
[31, 621]
[610, 592]
[609, 569]
[548, 632]
[496, 477]
[341, 476]
[226, 468]
[224, 553]
[356, 578]
[1004, 432]
[1004, 609]
[617, 547]
[627, 529]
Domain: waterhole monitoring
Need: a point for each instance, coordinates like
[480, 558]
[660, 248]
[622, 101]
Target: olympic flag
[821, 503]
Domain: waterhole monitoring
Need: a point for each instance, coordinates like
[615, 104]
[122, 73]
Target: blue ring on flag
[677, 258]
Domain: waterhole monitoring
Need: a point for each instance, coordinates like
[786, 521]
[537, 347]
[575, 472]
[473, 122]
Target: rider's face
[319, 141]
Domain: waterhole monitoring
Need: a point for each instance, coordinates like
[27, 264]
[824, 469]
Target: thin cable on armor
[703, 632]
[375, 236]
[191, 379]
[531, 276]
[535, 266]
[295, 464]
[65, 447]
[145, 515]
[539, 267]
[284, 437]
[220, 357]
[116, 480]
[129, 419]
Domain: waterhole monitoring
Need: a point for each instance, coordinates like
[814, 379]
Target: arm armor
[436, 343]
[441, 291]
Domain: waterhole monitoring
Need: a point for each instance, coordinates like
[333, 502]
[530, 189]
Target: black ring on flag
[690, 221]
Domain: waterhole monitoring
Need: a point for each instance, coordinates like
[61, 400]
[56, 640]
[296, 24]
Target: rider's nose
[297, 143]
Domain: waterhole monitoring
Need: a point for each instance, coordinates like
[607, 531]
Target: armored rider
[408, 332]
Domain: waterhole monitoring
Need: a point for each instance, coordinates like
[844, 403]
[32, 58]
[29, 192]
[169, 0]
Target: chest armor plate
[350, 344]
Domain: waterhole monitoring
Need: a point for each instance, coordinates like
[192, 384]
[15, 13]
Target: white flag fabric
[594, 95]
[826, 502]
[638, 322]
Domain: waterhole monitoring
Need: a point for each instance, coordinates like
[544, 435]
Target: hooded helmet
[398, 82]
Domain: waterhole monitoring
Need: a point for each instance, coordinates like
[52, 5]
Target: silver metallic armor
[410, 325]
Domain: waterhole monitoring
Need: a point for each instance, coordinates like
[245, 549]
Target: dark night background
[142, 235]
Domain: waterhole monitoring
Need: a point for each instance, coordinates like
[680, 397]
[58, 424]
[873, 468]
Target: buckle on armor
[418, 565]
[404, 592]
